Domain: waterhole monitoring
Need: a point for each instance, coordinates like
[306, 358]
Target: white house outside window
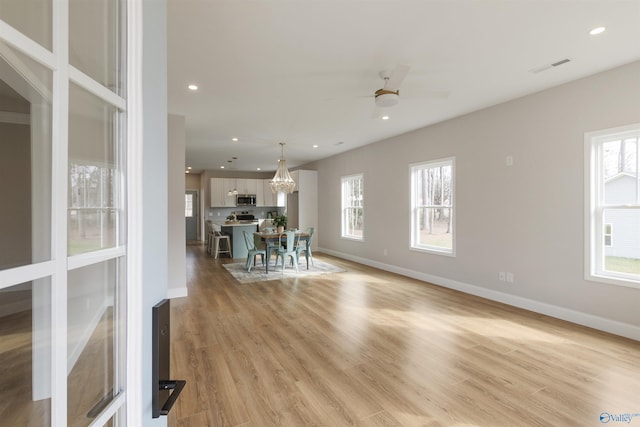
[613, 206]
[432, 206]
[353, 207]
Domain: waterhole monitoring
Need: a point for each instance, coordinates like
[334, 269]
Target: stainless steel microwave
[246, 200]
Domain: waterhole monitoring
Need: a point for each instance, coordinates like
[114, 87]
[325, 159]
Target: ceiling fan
[389, 95]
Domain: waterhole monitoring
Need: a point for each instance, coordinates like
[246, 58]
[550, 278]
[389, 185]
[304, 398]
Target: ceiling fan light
[387, 99]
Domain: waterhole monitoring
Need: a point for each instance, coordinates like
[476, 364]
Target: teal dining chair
[253, 249]
[287, 248]
[305, 246]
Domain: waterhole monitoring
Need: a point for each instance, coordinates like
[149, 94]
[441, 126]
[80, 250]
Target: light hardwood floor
[370, 348]
[88, 382]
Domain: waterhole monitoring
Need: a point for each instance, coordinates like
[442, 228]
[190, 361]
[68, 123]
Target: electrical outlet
[501, 276]
[509, 277]
[509, 160]
[218, 213]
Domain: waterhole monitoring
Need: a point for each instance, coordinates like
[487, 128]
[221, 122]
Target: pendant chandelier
[282, 181]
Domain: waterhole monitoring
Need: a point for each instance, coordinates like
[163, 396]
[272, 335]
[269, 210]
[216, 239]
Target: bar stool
[208, 237]
[219, 244]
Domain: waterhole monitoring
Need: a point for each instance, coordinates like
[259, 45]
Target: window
[188, 205]
[607, 234]
[432, 209]
[612, 205]
[352, 207]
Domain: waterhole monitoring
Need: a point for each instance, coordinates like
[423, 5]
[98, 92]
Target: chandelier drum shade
[282, 181]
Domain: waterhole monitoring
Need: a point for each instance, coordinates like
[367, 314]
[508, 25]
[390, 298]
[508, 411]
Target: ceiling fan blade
[394, 82]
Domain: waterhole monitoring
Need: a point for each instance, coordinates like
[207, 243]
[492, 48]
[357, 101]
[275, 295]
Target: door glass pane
[94, 41]
[31, 17]
[25, 355]
[93, 173]
[25, 160]
[93, 322]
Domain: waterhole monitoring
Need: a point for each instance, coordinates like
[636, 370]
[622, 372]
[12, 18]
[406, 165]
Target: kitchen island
[235, 232]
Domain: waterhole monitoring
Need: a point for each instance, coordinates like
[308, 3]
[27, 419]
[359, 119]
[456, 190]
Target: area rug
[239, 272]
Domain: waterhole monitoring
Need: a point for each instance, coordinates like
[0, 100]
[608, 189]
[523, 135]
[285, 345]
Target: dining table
[273, 240]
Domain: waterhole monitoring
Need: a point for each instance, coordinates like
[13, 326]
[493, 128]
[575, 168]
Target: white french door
[63, 213]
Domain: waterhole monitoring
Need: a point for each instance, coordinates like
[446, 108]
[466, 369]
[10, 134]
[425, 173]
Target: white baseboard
[177, 292]
[578, 317]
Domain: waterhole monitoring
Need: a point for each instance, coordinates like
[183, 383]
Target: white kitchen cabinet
[267, 194]
[259, 193]
[271, 198]
[247, 186]
[296, 178]
[220, 188]
[218, 193]
[230, 185]
[303, 178]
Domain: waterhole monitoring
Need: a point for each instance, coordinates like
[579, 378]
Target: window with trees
[613, 206]
[353, 207]
[432, 206]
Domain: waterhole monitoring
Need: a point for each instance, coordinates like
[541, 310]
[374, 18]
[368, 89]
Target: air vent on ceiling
[549, 66]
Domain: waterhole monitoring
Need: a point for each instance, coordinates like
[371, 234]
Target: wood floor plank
[370, 348]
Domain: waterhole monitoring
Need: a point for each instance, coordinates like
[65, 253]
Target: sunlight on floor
[488, 327]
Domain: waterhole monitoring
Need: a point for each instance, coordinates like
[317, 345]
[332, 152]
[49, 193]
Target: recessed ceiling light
[186, 171]
[192, 87]
[234, 139]
[258, 169]
[221, 167]
[597, 30]
[385, 117]
[315, 145]
[189, 167]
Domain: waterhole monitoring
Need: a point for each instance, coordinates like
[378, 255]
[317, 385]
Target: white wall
[176, 185]
[526, 219]
[154, 183]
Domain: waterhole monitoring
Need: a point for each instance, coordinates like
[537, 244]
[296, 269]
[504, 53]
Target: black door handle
[176, 386]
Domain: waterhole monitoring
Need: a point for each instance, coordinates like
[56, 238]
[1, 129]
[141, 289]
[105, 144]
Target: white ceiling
[304, 71]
